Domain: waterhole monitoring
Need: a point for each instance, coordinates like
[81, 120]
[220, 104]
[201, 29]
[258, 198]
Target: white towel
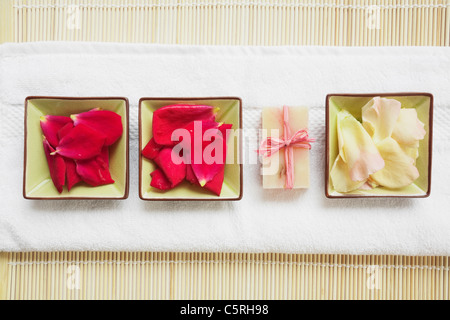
[264, 221]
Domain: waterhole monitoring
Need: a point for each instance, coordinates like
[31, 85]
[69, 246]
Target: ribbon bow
[300, 139]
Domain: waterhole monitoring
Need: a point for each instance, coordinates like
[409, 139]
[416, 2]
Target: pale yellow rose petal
[357, 148]
[366, 186]
[380, 116]
[369, 184]
[411, 150]
[408, 129]
[340, 177]
[399, 170]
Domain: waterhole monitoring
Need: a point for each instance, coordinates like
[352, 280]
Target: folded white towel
[271, 221]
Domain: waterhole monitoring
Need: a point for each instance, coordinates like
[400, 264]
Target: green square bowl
[353, 103]
[230, 111]
[37, 183]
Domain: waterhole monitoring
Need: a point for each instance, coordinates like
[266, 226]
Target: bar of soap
[273, 167]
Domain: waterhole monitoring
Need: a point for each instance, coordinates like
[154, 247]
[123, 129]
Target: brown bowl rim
[127, 183]
[327, 134]
[241, 175]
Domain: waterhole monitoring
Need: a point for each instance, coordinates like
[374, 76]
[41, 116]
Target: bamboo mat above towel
[230, 22]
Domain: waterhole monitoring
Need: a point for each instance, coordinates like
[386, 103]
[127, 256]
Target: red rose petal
[106, 122]
[215, 185]
[72, 177]
[159, 180]
[169, 118]
[56, 166]
[95, 171]
[151, 150]
[81, 143]
[223, 129]
[50, 126]
[104, 157]
[203, 170]
[175, 173]
[190, 175]
[65, 130]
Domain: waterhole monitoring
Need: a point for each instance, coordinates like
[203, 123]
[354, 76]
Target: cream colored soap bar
[273, 169]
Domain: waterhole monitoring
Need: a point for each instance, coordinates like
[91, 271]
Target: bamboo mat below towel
[164, 275]
[107, 275]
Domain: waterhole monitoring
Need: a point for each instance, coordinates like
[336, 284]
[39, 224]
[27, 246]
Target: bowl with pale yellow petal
[378, 145]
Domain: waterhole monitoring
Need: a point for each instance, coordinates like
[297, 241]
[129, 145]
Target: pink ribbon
[300, 139]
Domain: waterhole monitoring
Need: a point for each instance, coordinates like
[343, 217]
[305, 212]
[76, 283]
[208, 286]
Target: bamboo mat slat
[230, 22]
[165, 275]
[4, 280]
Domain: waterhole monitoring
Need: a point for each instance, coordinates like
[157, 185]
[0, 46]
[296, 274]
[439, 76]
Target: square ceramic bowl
[353, 103]
[230, 111]
[37, 183]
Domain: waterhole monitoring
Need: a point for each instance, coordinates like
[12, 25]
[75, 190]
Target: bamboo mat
[231, 22]
[164, 275]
